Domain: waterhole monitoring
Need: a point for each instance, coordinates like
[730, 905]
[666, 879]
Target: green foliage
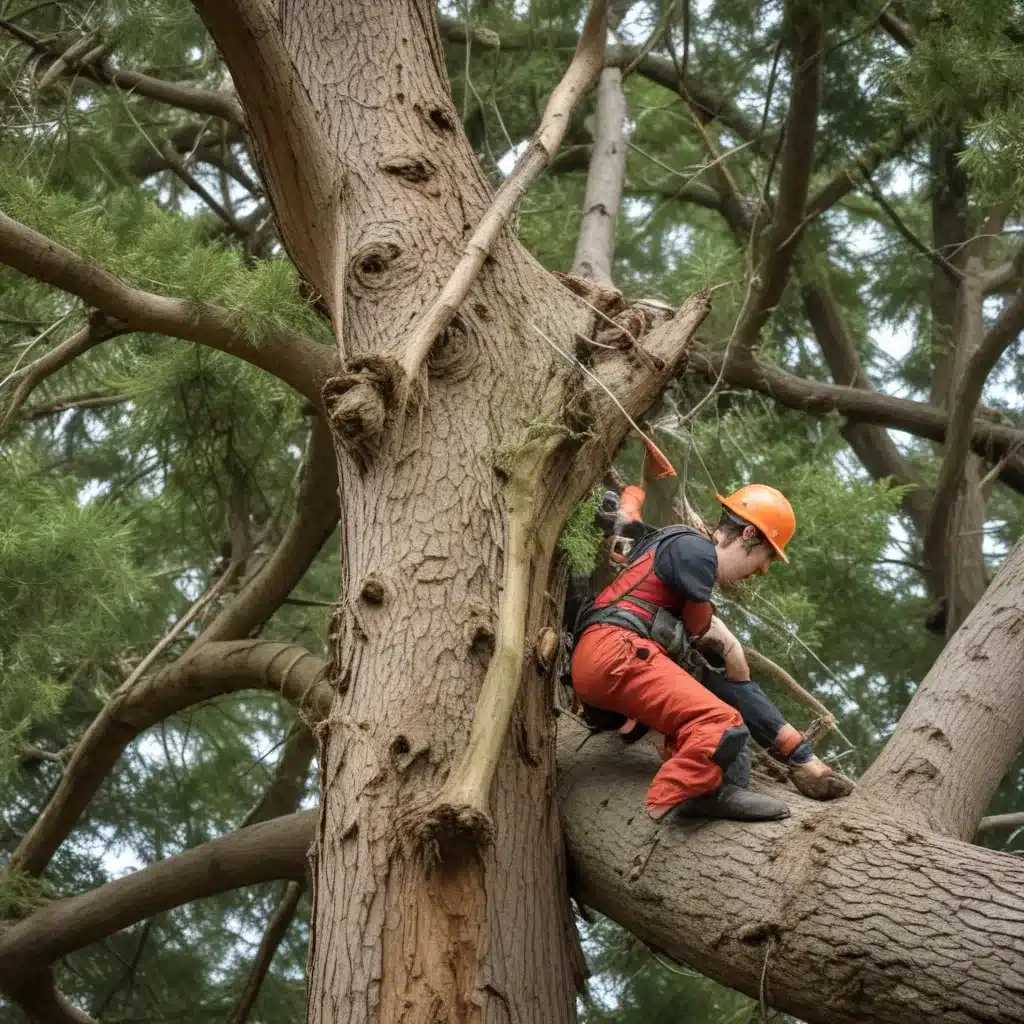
[67, 581]
[20, 894]
[581, 538]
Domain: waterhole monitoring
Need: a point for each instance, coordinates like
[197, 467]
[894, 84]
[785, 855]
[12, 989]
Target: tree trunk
[428, 904]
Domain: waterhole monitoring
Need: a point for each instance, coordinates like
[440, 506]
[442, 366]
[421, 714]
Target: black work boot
[735, 803]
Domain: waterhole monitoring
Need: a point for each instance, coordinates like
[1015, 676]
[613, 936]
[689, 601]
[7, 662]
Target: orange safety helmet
[768, 510]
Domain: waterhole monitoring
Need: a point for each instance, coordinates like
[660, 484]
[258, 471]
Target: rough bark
[849, 914]
[397, 936]
[965, 722]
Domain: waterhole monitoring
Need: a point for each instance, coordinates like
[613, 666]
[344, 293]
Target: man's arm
[719, 638]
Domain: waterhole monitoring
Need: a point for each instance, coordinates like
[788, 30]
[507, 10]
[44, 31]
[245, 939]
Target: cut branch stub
[357, 404]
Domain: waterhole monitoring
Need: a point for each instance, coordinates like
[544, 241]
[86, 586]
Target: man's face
[739, 558]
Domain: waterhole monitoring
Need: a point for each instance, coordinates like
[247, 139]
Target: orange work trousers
[618, 670]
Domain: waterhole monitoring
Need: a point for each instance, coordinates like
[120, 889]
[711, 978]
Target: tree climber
[635, 655]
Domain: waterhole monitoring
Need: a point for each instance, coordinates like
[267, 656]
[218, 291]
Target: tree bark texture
[377, 191]
[965, 722]
[849, 914]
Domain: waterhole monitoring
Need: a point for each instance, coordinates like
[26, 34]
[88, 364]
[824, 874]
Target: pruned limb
[261, 853]
[582, 72]
[295, 359]
[277, 927]
[99, 329]
[213, 669]
[994, 821]
[459, 813]
[73, 62]
[964, 403]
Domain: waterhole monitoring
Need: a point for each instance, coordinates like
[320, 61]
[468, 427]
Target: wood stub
[357, 403]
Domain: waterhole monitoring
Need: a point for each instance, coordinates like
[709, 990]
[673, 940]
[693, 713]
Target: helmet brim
[779, 553]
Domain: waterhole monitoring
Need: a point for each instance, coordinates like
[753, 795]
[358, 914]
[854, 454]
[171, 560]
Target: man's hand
[720, 638]
[817, 780]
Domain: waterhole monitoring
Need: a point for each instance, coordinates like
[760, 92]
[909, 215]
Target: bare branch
[1003, 333]
[88, 400]
[954, 273]
[277, 927]
[782, 236]
[595, 246]
[987, 438]
[900, 30]
[261, 853]
[175, 162]
[994, 821]
[211, 670]
[872, 445]
[582, 72]
[761, 665]
[186, 97]
[847, 179]
[295, 359]
[99, 329]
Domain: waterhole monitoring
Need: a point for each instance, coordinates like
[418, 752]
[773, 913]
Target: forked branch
[99, 329]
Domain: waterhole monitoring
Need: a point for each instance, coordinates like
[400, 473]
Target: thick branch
[935, 771]
[212, 670]
[783, 234]
[965, 401]
[582, 72]
[295, 359]
[186, 97]
[99, 329]
[37, 995]
[987, 438]
[837, 908]
[595, 246]
[261, 853]
[277, 928]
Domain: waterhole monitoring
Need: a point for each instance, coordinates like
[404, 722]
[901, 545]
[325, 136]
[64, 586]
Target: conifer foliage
[844, 180]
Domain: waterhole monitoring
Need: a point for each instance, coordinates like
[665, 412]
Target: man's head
[757, 522]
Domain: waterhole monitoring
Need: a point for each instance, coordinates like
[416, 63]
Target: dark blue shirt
[685, 560]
